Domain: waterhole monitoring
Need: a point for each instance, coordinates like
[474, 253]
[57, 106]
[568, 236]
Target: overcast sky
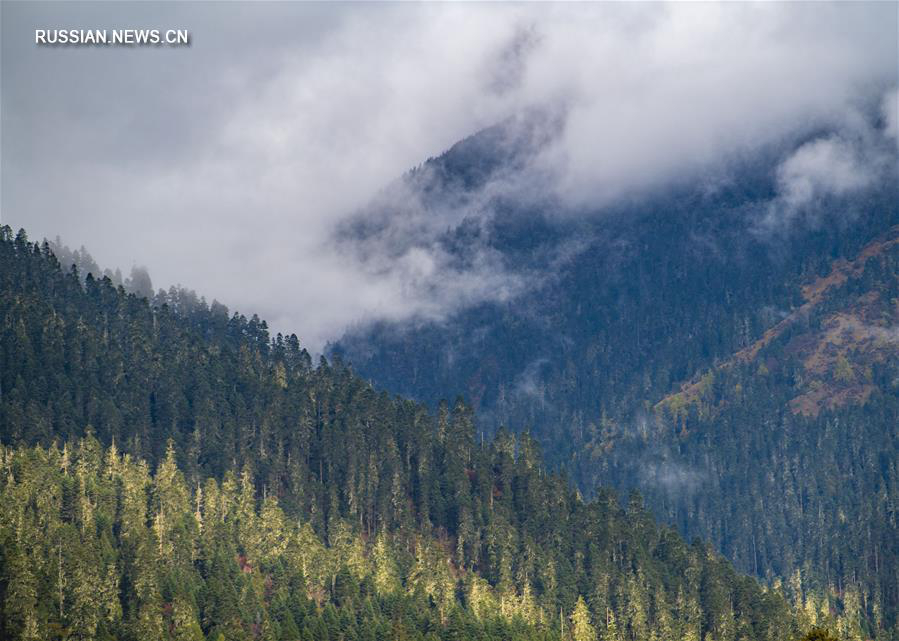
[225, 166]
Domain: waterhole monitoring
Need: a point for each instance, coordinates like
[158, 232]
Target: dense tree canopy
[788, 463]
[171, 471]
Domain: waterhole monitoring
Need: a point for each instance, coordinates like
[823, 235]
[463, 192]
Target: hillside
[171, 471]
[642, 318]
[800, 426]
[860, 329]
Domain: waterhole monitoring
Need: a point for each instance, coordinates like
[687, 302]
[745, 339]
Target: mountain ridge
[664, 292]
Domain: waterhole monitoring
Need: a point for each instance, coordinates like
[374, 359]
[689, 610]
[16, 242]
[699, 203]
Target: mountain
[727, 345]
[170, 471]
[799, 430]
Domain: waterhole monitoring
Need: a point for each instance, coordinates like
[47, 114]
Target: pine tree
[611, 631]
[20, 606]
[581, 627]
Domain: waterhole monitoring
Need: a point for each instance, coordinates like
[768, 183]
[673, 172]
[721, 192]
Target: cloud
[890, 110]
[528, 383]
[828, 167]
[674, 478]
[821, 167]
[689, 85]
[233, 165]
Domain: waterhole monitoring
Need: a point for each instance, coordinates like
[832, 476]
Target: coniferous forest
[500, 321]
[746, 385]
[170, 471]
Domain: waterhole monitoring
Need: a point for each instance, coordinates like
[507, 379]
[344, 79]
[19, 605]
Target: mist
[234, 165]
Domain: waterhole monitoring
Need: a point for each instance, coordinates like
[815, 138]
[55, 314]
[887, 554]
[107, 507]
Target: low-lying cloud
[675, 479]
[827, 164]
[832, 166]
[890, 111]
[233, 165]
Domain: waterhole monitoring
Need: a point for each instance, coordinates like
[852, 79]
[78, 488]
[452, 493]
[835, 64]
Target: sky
[227, 166]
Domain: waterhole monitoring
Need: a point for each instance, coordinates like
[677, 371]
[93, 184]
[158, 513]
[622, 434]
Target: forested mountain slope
[174, 472]
[802, 427]
[632, 303]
